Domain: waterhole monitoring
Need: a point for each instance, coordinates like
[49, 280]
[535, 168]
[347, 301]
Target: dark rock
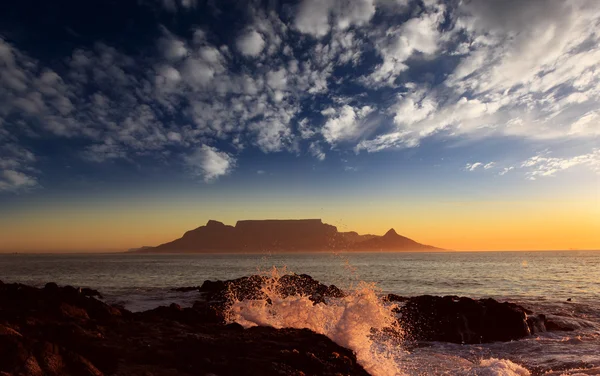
[234, 326]
[90, 293]
[287, 285]
[562, 324]
[465, 320]
[395, 298]
[73, 312]
[212, 286]
[51, 286]
[59, 331]
[537, 323]
[70, 290]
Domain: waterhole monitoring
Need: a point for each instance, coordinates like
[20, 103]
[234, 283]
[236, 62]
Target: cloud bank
[319, 78]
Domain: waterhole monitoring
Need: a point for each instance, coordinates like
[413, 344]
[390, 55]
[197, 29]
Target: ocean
[540, 281]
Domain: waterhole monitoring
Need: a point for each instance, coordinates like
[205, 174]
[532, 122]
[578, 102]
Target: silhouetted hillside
[298, 235]
[391, 241]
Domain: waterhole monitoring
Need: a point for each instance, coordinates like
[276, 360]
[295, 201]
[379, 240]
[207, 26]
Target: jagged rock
[250, 288]
[86, 291]
[60, 331]
[395, 298]
[465, 320]
[567, 324]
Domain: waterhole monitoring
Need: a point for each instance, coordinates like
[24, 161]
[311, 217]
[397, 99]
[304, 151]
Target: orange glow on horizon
[470, 226]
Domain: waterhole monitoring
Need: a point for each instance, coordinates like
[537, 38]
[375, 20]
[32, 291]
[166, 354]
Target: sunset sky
[468, 125]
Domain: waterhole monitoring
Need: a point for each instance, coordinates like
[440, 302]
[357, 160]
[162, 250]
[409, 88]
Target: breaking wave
[360, 321]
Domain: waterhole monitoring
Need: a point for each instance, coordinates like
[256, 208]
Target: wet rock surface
[62, 331]
[67, 331]
[424, 318]
[250, 288]
[465, 320]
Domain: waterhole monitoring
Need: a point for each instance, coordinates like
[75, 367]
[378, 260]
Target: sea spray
[496, 367]
[360, 321]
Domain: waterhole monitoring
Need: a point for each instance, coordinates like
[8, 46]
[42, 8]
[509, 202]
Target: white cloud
[210, 163]
[529, 70]
[305, 129]
[473, 166]
[544, 166]
[312, 17]
[476, 165]
[397, 44]
[318, 17]
[344, 123]
[250, 43]
[172, 48]
[534, 58]
[11, 180]
[272, 134]
[316, 151]
[587, 124]
[413, 108]
[398, 139]
[277, 80]
[16, 164]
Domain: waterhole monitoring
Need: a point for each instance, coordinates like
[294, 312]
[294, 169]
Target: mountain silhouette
[272, 235]
[391, 241]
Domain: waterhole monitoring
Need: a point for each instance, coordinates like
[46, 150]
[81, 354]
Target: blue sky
[102, 97]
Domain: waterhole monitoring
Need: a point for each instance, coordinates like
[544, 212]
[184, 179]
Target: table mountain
[290, 235]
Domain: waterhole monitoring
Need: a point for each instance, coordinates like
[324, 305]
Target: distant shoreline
[127, 253]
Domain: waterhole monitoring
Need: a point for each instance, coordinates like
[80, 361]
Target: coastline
[65, 330]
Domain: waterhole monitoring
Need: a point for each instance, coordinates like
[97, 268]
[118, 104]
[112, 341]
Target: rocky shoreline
[67, 331]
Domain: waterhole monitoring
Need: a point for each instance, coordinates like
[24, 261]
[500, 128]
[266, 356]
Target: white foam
[356, 322]
[360, 321]
[497, 367]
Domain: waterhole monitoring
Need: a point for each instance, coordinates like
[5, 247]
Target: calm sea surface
[539, 275]
[541, 281]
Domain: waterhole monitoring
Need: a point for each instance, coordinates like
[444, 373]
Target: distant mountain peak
[287, 235]
[213, 223]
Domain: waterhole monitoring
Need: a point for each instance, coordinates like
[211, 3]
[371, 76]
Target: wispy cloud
[11, 180]
[545, 166]
[473, 166]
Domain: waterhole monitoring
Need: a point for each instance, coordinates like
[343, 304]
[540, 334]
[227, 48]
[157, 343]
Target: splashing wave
[360, 321]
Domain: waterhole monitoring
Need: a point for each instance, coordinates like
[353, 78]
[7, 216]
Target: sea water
[540, 281]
